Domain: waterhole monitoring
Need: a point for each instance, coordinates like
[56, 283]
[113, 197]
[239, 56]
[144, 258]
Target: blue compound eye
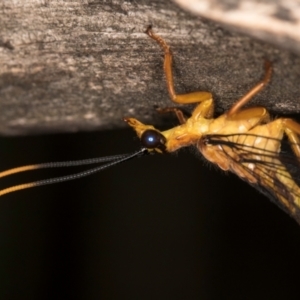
[153, 139]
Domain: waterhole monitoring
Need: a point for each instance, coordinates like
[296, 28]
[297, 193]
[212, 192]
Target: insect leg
[256, 89]
[183, 98]
[179, 114]
[292, 130]
[254, 115]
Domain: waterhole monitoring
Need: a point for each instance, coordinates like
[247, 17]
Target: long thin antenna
[116, 159]
[62, 164]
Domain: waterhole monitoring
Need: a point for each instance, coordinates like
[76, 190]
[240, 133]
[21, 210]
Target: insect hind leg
[292, 130]
[250, 94]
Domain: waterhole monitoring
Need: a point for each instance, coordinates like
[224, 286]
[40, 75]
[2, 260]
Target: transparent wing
[275, 174]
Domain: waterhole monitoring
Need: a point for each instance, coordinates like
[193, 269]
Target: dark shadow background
[159, 227]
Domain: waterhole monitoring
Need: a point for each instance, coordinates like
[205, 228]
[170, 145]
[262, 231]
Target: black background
[158, 227]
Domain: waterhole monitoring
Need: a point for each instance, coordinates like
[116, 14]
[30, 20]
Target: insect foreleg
[179, 114]
[183, 98]
[256, 89]
[204, 109]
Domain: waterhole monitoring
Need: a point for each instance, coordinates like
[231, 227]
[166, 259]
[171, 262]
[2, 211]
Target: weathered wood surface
[84, 65]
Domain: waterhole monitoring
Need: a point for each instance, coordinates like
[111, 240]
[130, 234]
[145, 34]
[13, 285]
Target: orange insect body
[242, 141]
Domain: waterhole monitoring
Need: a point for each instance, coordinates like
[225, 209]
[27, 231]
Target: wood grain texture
[84, 65]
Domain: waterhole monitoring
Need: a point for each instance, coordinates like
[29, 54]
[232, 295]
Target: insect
[243, 140]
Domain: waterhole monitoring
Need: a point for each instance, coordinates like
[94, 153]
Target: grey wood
[84, 65]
